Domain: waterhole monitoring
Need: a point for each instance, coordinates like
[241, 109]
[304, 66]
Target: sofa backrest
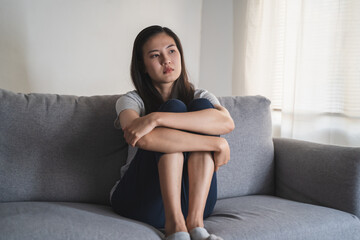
[65, 148]
[251, 166]
[58, 148]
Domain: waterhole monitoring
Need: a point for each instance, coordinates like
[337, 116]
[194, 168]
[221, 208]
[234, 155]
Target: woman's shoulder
[131, 97]
[131, 100]
[131, 94]
[200, 91]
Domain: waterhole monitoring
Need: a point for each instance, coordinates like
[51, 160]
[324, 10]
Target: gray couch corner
[320, 174]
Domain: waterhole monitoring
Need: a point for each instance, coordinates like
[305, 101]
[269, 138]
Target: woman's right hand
[138, 128]
[222, 156]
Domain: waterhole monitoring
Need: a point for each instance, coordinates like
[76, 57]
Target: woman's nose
[166, 60]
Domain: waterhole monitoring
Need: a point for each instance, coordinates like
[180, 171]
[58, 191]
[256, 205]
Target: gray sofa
[61, 155]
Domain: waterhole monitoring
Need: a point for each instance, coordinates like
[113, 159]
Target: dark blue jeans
[138, 194]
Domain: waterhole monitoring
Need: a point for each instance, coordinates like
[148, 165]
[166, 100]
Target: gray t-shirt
[132, 100]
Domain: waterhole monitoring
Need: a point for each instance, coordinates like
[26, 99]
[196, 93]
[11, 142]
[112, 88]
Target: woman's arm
[169, 140]
[208, 121]
[214, 121]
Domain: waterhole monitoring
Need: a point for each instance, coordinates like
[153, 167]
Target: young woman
[173, 131]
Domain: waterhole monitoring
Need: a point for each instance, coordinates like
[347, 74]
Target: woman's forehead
[158, 42]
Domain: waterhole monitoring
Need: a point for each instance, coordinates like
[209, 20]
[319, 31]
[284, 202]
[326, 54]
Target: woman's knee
[201, 161]
[201, 156]
[200, 104]
[173, 105]
[172, 157]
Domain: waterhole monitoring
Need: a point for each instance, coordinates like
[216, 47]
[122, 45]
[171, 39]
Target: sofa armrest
[319, 174]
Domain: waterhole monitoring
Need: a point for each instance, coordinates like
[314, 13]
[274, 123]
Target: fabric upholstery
[273, 218]
[71, 221]
[250, 217]
[70, 150]
[58, 148]
[251, 167]
[320, 174]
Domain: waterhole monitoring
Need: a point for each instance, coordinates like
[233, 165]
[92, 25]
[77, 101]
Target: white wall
[83, 47]
[216, 62]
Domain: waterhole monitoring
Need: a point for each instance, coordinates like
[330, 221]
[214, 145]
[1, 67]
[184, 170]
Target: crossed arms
[165, 132]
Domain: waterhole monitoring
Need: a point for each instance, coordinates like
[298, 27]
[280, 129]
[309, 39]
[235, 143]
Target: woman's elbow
[230, 125]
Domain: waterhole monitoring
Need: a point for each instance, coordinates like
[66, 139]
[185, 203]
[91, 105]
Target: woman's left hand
[222, 156]
[138, 128]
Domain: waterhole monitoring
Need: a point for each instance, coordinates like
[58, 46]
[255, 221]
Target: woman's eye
[154, 55]
[172, 51]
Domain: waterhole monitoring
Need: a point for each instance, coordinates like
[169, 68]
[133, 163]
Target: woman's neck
[165, 91]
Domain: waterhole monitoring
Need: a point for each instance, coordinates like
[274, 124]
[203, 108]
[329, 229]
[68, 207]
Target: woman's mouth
[168, 70]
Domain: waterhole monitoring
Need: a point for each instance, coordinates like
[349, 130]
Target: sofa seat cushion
[72, 221]
[268, 217]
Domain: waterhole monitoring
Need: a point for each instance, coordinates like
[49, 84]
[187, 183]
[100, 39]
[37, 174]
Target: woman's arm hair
[211, 121]
[168, 140]
[208, 121]
[145, 133]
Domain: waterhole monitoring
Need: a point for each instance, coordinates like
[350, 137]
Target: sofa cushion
[247, 218]
[58, 148]
[251, 167]
[72, 221]
[273, 218]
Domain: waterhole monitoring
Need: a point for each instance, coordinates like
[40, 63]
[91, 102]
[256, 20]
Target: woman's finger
[131, 142]
[136, 139]
[128, 138]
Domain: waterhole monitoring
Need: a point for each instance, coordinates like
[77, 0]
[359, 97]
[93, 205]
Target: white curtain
[304, 55]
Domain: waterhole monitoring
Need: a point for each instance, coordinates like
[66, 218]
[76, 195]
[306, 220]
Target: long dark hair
[182, 89]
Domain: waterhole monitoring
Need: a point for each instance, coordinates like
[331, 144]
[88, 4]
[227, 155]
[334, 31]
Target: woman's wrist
[221, 144]
[155, 119]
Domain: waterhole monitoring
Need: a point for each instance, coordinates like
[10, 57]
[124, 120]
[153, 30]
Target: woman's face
[162, 59]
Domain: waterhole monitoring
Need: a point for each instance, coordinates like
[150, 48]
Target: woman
[173, 131]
